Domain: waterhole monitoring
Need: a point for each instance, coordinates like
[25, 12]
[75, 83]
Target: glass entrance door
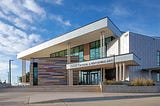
[85, 79]
[90, 77]
[94, 78]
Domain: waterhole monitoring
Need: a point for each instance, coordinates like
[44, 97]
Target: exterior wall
[75, 77]
[145, 48]
[124, 43]
[52, 71]
[119, 45]
[127, 71]
[86, 51]
[112, 48]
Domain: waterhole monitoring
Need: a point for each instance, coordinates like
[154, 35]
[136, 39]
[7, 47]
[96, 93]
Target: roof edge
[101, 23]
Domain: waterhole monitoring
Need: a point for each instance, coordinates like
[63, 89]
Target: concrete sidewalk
[71, 98]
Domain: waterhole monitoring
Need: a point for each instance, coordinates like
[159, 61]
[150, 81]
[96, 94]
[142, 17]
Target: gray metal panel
[144, 47]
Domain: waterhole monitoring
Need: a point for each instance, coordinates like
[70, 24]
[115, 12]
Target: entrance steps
[53, 88]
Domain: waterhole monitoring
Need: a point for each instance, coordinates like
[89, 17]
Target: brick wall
[52, 71]
[86, 51]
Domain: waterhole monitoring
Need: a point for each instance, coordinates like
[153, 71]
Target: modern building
[91, 54]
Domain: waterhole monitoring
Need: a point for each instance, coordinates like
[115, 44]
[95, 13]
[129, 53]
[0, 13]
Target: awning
[130, 59]
[79, 36]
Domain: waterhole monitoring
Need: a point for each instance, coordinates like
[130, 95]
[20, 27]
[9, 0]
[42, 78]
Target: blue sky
[25, 23]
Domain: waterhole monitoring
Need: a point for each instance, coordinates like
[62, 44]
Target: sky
[26, 23]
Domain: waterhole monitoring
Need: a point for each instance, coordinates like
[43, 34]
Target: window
[35, 73]
[158, 58]
[78, 51]
[158, 76]
[75, 51]
[62, 53]
[95, 50]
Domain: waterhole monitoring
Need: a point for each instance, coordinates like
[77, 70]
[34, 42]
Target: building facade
[91, 54]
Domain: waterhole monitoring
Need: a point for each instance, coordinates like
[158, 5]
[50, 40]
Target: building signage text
[90, 63]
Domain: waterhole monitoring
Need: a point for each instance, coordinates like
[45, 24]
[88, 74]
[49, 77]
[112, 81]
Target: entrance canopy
[82, 35]
[129, 59]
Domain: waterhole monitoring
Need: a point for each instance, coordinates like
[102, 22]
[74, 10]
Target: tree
[27, 77]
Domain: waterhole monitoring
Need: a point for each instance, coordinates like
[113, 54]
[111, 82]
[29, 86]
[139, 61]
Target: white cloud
[13, 40]
[58, 1]
[85, 7]
[32, 6]
[60, 20]
[21, 13]
[16, 18]
[119, 11]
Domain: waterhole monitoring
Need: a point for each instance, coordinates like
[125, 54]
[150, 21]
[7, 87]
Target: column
[124, 69]
[120, 72]
[150, 74]
[31, 72]
[116, 72]
[70, 77]
[70, 72]
[24, 71]
[104, 74]
[101, 46]
[69, 53]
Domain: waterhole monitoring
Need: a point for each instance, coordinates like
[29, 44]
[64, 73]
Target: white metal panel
[66, 37]
[112, 48]
[124, 43]
[119, 46]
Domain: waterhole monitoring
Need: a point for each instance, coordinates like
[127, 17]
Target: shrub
[142, 82]
[149, 82]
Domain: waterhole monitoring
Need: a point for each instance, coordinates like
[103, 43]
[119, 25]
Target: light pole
[10, 71]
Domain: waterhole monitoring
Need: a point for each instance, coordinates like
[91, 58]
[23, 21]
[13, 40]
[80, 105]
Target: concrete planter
[130, 89]
[4, 85]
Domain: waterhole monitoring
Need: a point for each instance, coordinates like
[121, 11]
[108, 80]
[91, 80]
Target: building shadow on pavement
[90, 99]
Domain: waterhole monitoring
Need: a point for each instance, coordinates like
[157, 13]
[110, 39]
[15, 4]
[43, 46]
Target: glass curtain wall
[35, 73]
[79, 50]
[95, 48]
[75, 51]
[62, 53]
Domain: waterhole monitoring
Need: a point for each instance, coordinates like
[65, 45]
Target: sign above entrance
[90, 63]
[134, 60]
